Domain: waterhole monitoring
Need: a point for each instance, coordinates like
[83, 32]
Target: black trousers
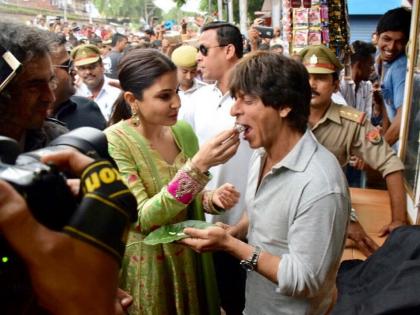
[231, 283]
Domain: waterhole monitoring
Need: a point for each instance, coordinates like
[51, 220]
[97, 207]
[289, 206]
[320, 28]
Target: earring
[135, 120]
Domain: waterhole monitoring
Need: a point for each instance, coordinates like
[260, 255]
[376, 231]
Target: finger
[11, 203]
[231, 139]
[227, 152]
[384, 231]
[195, 233]
[124, 298]
[74, 185]
[223, 225]
[363, 248]
[225, 135]
[371, 244]
[68, 159]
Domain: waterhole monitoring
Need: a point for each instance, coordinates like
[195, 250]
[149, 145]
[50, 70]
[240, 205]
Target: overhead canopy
[371, 7]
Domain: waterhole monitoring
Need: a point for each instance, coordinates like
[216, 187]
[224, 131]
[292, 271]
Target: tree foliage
[127, 8]
[180, 3]
[253, 5]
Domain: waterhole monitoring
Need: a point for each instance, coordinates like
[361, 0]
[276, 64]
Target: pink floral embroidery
[183, 187]
[132, 178]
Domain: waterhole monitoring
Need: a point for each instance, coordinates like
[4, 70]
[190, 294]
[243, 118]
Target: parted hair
[138, 70]
[278, 81]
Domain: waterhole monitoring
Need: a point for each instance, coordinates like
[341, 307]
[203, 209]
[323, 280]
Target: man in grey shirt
[297, 196]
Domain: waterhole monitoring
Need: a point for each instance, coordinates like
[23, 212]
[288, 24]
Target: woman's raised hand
[217, 150]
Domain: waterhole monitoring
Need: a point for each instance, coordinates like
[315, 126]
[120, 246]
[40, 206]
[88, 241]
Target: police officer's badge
[374, 136]
[313, 60]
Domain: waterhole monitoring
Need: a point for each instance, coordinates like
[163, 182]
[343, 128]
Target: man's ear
[284, 111]
[336, 84]
[230, 51]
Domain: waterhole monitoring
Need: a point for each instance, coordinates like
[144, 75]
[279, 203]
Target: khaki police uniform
[344, 130]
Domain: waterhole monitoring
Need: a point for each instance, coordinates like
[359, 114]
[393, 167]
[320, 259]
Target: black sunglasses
[205, 50]
[68, 65]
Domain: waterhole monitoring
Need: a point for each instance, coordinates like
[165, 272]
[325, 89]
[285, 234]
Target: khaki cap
[85, 54]
[320, 59]
[185, 56]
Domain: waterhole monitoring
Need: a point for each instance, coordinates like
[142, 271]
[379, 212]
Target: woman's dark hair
[278, 81]
[395, 20]
[227, 34]
[137, 71]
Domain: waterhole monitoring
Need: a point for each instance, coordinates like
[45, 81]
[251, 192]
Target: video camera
[102, 224]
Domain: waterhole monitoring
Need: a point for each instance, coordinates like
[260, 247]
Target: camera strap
[106, 211]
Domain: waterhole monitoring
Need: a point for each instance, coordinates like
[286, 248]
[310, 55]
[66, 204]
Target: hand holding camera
[79, 251]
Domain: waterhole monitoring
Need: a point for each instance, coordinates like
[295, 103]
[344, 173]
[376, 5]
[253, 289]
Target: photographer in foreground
[65, 271]
[68, 275]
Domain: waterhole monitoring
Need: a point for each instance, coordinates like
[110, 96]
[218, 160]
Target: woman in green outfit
[159, 160]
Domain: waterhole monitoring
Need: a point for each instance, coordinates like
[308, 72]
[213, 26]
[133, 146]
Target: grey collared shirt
[299, 213]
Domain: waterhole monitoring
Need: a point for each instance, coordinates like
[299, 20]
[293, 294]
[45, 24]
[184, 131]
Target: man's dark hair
[22, 41]
[395, 20]
[361, 51]
[227, 34]
[116, 38]
[25, 43]
[278, 81]
[55, 40]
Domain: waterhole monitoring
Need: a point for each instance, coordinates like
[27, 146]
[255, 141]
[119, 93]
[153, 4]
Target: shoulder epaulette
[350, 113]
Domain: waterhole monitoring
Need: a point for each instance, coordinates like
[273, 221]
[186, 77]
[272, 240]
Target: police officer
[95, 85]
[345, 132]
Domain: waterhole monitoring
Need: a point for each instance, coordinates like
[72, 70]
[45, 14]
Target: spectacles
[67, 65]
[205, 50]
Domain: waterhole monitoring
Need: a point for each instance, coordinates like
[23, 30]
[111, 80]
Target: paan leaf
[173, 232]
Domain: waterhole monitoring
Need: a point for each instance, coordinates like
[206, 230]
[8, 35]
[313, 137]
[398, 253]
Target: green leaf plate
[173, 232]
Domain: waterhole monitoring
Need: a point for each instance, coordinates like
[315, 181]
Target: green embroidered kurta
[166, 278]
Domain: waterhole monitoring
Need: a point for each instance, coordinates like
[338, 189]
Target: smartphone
[265, 31]
[9, 66]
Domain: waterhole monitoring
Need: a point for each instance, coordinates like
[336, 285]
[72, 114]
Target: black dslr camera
[53, 205]
[43, 186]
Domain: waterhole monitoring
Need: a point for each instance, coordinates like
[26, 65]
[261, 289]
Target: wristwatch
[353, 216]
[251, 263]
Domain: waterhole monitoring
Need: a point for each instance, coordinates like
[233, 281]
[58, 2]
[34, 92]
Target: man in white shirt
[88, 62]
[357, 89]
[185, 59]
[220, 49]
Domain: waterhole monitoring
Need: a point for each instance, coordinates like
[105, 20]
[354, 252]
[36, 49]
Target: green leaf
[173, 232]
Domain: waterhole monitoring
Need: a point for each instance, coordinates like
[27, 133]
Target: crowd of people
[204, 123]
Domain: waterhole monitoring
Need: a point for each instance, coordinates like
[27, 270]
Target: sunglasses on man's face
[66, 65]
[205, 50]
